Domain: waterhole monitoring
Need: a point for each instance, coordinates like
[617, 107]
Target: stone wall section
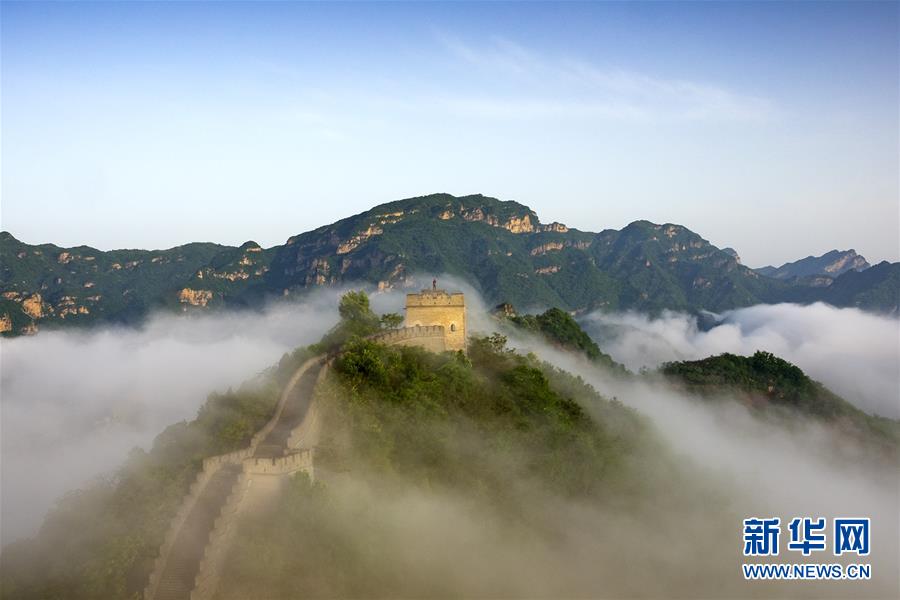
[430, 337]
[260, 480]
[210, 466]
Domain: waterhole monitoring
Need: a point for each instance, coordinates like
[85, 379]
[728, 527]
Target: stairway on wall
[258, 485]
[295, 409]
[183, 561]
[177, 579]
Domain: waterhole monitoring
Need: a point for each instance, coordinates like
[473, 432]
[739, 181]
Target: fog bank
[854, 353]
[75, 402]
[769, 470]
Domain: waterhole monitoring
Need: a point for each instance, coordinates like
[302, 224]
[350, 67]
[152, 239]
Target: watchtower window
[452, 326]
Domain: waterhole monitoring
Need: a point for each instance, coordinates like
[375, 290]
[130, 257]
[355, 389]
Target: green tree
[391, 320]
[354, 306]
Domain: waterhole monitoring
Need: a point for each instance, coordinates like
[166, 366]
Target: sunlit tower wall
[437, 307]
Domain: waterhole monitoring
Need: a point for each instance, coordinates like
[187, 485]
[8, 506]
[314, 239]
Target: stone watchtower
[437, 307]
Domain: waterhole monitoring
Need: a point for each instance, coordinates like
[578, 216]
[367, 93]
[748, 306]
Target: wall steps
[208, 511]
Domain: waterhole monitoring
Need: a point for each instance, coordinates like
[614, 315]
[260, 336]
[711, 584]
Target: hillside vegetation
[767, 381]
[499, 440]
[561, 330]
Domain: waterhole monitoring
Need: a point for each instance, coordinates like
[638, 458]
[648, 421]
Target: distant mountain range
[500, 247]
[831, 265]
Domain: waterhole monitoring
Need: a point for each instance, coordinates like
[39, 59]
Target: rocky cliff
[831, 264]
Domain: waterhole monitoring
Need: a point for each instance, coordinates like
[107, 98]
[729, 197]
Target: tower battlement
[433, 297]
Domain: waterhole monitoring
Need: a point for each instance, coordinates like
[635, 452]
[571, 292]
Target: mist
[685, 543]
[75, 402]
[854, 353]
[769, 470]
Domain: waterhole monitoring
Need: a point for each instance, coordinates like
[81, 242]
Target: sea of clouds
[806, 469]
[75, 402]
[855, 353]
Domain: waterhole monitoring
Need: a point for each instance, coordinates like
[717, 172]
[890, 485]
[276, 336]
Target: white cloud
[763, 469]
[74, 403]
[551, 87]
[856, 354]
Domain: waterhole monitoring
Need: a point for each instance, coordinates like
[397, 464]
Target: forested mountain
[562, 331]
[500, 247]
[772, 385]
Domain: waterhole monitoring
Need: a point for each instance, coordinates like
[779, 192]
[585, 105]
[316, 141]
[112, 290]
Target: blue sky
[771, 127]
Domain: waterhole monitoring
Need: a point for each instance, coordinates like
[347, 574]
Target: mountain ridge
[832, 264]
[501, 247]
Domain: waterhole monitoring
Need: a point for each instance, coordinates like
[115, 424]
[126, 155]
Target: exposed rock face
[478, 214]
[33, 306]
[233, 276]
[832, 264]
[522, 224]
[389, 218]
[73, 310]
[548, 247]
[850, 260]
[64, 258]
[358, 239]
[519, 224]
[319, 270]
[397, 275]
[732, 253]
[195, 297]
[547, 270]
[504, 309]
[555, 227]
[5, 323]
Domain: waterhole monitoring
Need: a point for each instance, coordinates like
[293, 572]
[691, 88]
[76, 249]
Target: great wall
[193, 553]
